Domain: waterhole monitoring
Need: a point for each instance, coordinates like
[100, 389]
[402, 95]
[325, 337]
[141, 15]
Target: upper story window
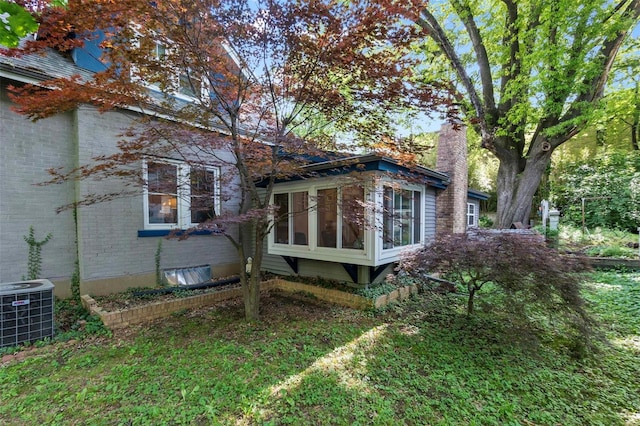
[189, 84]
[402, 213]
[182, 81]
[178, 195]
[159, 51]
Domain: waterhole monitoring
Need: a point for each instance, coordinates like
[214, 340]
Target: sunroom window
[338, 219]
[402, 210]
[178, 195]
[292, 218]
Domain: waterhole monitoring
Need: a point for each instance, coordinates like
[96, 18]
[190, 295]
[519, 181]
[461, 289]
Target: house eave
[366, 163]
[477, 195]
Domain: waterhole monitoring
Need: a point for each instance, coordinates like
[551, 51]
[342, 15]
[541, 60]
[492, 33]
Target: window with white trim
[184, 83]
[178, 195]
[472, 215]
[338, 221]
[402, 214]
[292, 220]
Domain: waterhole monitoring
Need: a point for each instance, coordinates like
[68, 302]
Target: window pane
[402, 218]
[163, 209]
[471, 211]
[327, 217]
[352, 211]
[281, 229]
[300, 218]
[387, 221]
[162, 188]
[160, 51]
[202, 195]
[162, 178]
[189, 85]
[417, 214]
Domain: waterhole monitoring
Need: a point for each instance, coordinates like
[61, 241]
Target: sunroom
[352, 219]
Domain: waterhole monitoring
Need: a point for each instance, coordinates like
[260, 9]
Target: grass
[420, 362]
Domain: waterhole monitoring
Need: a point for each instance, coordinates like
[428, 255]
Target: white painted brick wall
[27, 150]
[110, 246]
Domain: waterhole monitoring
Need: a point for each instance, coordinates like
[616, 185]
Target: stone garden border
[141, 314]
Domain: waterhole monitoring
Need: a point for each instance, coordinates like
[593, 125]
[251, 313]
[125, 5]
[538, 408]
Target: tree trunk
[251, 291]
[251, 294]
[472, 292]
[635, 128]
[516, 187]
[506, 187]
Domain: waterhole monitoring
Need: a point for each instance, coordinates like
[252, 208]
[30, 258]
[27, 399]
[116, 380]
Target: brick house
[114, 243]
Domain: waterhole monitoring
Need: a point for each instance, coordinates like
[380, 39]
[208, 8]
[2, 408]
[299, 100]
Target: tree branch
[428, 22]
[482, 59]
[607, 55]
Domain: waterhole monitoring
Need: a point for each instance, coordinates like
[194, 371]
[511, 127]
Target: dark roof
[40, 66]
[475, 194]
[368, 162]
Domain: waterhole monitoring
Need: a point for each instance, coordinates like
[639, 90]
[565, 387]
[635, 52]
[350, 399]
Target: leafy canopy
[15, 23]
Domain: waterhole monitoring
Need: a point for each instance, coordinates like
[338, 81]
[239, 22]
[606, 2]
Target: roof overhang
[366, 163]
[477, 195]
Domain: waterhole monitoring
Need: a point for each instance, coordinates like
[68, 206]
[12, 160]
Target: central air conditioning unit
[26, 312]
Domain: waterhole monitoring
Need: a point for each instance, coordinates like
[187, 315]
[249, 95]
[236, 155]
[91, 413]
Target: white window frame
[312, 221]
[183, 201]
[472, 215]
[414, 219]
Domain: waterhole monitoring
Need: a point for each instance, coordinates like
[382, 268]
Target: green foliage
[528, 74]
[15, 23]
[610, 184]
[485, 222]
[423, 363]
[615, 298]
[34, 261]
[74, 322]
[375, 291]
[609, 251]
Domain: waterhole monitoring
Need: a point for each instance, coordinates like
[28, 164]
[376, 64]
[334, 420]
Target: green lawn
[418, 363]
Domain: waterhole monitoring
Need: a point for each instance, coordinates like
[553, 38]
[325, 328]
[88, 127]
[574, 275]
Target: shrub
[610, 185]
[530, 279]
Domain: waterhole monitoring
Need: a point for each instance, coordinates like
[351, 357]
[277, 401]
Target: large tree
[261, 76]
[529, 75]
[623, 101]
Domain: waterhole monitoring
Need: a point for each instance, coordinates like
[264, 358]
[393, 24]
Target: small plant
[485, 222]
[34, 262]
[610, 251]
[376, 291]
[74, 322]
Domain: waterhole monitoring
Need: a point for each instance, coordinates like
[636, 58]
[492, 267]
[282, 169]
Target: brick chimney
[451, 204]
